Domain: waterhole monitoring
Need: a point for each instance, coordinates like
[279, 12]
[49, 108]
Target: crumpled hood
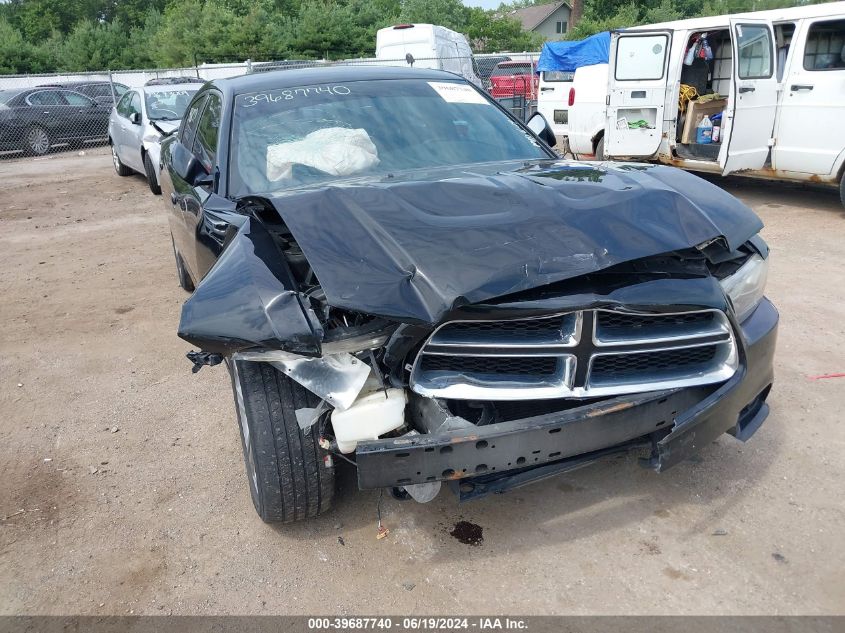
[414, 250]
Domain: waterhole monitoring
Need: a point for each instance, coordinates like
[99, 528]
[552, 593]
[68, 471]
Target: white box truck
[426, 46]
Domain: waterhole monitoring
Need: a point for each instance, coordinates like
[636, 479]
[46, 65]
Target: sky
[486, 4]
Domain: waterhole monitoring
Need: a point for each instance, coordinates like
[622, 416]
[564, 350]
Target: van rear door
[747, 133]
[553, 99]
[637, 82]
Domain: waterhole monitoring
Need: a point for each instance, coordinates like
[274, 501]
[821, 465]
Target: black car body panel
[248, 300]
[415, 250]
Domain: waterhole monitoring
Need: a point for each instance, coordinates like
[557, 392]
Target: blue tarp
[569, 56]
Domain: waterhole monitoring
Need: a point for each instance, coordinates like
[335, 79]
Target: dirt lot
[122, 488]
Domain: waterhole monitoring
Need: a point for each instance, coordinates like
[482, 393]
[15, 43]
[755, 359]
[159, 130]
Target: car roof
[69, 85]
[274, 80]
[169, 87]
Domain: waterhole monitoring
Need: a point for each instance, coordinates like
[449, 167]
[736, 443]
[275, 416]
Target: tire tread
[294, 484]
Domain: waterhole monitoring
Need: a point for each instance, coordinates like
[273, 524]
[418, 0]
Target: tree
[449, 13]
[491, 31]
[95, 46]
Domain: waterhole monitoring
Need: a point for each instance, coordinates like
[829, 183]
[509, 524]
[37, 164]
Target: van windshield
[318, 133]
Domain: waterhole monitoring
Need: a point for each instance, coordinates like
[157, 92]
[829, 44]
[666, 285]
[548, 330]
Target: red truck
[514, 79]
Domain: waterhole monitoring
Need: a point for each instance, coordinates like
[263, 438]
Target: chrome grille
[575, 355]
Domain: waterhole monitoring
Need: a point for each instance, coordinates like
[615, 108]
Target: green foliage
[48, 35]
[449, 13]
[488, 32]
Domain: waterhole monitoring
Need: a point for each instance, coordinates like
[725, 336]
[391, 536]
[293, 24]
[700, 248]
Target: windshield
[168, 105]
[297, 136]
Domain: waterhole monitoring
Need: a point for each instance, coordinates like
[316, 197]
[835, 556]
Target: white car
[139, 121]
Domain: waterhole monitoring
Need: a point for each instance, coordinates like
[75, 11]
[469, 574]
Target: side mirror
[538, 124]
[135, 118]
[187, 166]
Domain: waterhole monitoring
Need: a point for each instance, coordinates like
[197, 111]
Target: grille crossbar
[581, 354]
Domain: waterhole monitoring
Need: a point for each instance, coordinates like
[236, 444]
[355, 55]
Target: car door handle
[746, 89]
[801, 87]
[546, 89]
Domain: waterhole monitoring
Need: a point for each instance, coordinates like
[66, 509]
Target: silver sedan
[139, 121]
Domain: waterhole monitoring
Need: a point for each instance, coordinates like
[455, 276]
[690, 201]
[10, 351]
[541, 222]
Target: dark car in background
[514, 79]
[104, 92]
[35, 119]
[398, 273]
[485, 65]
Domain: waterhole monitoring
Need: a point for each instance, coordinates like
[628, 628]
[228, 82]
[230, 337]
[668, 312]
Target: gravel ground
[123, 488]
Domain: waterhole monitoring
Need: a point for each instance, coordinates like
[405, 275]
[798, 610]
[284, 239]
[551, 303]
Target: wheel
[600, 149]
[37, 141]
[120, 168]
[289, 477]
[151, 175]
[185, 281]
[842, 189]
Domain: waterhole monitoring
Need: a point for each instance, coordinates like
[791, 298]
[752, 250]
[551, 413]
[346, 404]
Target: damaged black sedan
[397, 272]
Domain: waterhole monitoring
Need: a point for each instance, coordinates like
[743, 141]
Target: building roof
[532, 17]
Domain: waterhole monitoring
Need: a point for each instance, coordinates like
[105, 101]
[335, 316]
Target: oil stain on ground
[468, 533]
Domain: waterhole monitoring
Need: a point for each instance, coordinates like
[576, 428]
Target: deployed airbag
[337, 151]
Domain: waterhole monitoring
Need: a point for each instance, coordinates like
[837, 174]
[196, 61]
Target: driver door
[181, 194]
[747, 134]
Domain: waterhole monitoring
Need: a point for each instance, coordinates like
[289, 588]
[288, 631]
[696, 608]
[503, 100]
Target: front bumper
[693, 417]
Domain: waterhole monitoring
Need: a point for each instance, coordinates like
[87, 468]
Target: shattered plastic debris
[201, 359]
[307, 416]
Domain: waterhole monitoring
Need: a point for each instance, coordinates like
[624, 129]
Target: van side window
[640, 57]
[754, 42]
[825, 47]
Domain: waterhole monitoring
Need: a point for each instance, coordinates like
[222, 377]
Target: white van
[781, 74]
[426, 46]
[588, 111]
[553, 100]
[562, 75]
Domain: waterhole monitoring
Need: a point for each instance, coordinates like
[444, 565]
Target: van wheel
[842, 189]
[600, 149]
[290, 477]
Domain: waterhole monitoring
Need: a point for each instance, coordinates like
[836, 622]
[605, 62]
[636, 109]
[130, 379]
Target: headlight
[745, 287]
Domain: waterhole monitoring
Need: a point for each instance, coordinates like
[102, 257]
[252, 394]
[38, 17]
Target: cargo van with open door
[772, 81]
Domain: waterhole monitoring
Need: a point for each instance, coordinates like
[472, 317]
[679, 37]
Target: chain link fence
[40, 114]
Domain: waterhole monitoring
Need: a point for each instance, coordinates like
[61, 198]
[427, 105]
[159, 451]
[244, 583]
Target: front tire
[288, 476]
[842, 189]
[37, 141]
[151, 175]
[119, 167]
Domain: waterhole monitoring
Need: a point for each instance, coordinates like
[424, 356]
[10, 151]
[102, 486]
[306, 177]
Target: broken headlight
[746, 286]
